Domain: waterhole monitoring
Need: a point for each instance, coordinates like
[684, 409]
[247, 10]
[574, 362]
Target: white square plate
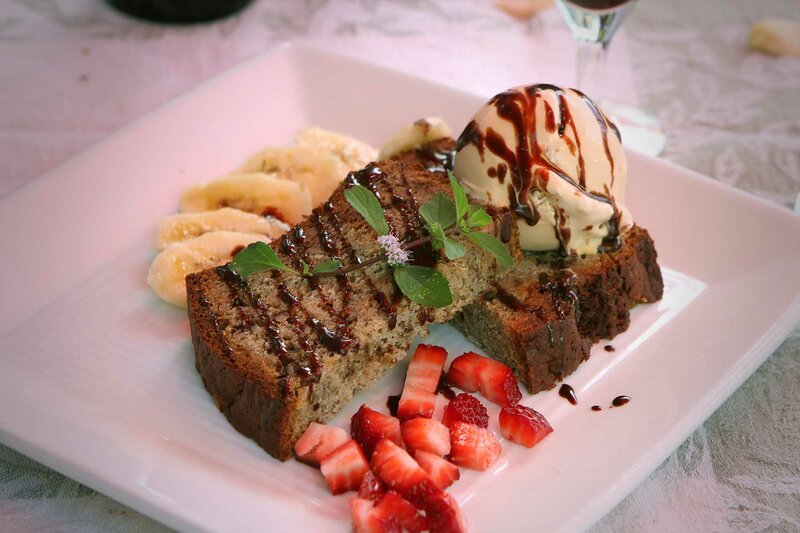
[97, 376]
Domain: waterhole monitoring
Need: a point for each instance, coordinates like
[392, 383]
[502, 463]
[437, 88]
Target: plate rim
[751, 360]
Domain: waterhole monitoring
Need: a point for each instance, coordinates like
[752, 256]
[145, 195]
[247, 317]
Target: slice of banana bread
[543, 316]
[277, 351]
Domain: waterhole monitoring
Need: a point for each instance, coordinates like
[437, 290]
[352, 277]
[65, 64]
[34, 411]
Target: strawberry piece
[444, 515]
[345, 467]
[523, 425]
[426, 366]
[465, 408]
[473, 447]
[369, 426]
[318, 442]
[401, 473]
[419, 391]
[371, 487]
[398, 514]
[472, 372]
[415, 402]
[426, 434]
[463, 372]
[442, 472]
[362, 514]
[498, 383]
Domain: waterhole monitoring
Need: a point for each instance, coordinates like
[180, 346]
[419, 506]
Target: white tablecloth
[73, 71]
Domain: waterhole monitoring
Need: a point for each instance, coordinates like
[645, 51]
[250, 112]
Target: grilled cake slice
[277, 351]
[543, 316]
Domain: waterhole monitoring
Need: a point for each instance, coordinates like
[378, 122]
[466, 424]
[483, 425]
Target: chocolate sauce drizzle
[568, 393]
[245, 299]
[619, 401]
[365, 177]
[519, 109]
[561, 289]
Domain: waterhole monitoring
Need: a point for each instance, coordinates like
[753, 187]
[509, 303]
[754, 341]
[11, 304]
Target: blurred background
[74, 71]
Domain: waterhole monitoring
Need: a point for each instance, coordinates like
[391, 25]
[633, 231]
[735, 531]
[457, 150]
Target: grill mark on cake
[293, 243]
[329, 245]
[366, 175]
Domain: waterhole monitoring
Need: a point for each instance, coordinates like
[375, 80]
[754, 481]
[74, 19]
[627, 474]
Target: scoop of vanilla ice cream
[552, 155]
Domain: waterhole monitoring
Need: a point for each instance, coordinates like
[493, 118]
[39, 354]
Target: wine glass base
[640, 130]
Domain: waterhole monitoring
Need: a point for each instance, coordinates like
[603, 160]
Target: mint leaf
[368, 207]
[477, 217]
[423, 285]
[460, 195]
[453, 249]
[492, 245]
[257, 257]
[306, 269]
[439, 210]
[327, 267]
[437, 236]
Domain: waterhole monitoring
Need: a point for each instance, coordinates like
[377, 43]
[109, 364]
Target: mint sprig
[423, 285]
[439, 210]
[327, 267]
[368, 206]
[257, 257]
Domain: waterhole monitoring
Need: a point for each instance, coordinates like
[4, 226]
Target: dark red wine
[179, 11]
[598, 4]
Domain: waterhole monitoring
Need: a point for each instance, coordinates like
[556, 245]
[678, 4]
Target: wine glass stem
[590, 68]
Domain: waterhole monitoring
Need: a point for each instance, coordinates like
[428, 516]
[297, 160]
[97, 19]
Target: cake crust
[543, 316]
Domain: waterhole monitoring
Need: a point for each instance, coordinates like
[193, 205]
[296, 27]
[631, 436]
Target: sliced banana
[422, 131]
[183, 226]
[776, 37]
[169, 269]
[353, 153]
[318, 170]
[255, 192]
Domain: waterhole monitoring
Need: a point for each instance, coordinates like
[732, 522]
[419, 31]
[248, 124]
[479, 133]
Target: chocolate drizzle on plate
[568, 393]
[619, 401]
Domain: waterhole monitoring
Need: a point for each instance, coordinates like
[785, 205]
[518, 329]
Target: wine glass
[593, 23]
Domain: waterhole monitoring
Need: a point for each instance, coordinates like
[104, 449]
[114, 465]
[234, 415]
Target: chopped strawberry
[371, 487]
[465, 408]
[473, 447]
[318, 442]
[362, 513]
[415, 402]
[345, 467]
[426, 434]
[401, 473]
[444, 514]
[398, 514]
[442, 472]
[498, 383]
[463, 372]
[419, 391]
[471, 372]
[368, 427]
[426, 366]
[523, 425]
